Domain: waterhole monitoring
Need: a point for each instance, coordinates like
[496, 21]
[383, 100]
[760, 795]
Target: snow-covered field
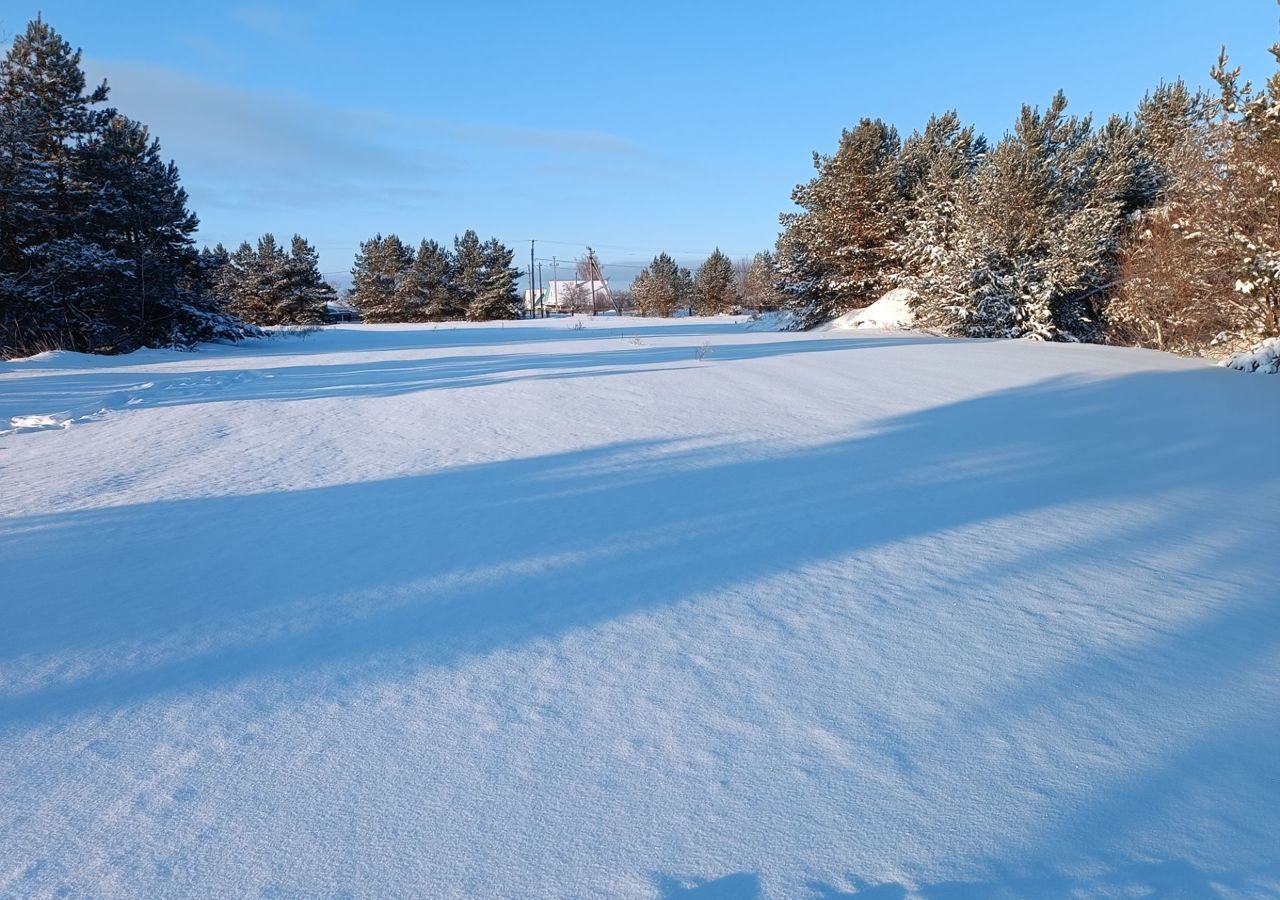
[666, 609]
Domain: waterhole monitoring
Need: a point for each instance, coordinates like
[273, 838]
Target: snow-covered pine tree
[306, 293]
[642, 292]
[937, 174]
[498, 296]
[255, 281]
[22, 183]
[715, 286]
[432, 276]
[1036, 237]
[380, 267]
[139, 212]
[42, 83]
[212, 259]
[95, 236]
[840, 252]
[1248, 135]
[46, 115]
[662, 287]
[468, 269]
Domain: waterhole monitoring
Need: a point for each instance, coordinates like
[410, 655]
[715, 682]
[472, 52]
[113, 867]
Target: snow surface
[892, 312]
[524, 611]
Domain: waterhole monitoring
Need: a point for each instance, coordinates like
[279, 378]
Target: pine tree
[468, 269]
[1036, 237]
[759, 286]
[42, 83]
[937, 174]
[253, 279]
[267, 285]
[662, 287]
[1248, 222]
[139, 212]
[306, 293]
[47, 116]
[96, 248]
[212, 261]
[497, 296]
[1176, 264]
[380, 267]
[714, 287]
[392, 283]
[840, 252]
[432, 277]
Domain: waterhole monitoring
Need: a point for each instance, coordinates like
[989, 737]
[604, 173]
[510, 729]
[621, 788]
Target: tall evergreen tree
[1037, 235]
[714, 287]
[306, 293]
[498, 296]
[46, 116]
[840, 252]
[42, 84]
[380, 268]
[1202, 271]
[1248, 135]
[267, 285]
[96, 248]
[1175, 264]
[937, 174]
[212, 259]
[432, 277]
[759, 286]
[468, 269]
[254, 280]
[139, 212]
[662, 287]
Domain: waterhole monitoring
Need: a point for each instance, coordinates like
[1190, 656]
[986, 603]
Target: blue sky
[636, 127]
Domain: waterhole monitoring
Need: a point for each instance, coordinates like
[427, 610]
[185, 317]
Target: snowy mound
[1263, 359]
[891, 312]
[778, 320]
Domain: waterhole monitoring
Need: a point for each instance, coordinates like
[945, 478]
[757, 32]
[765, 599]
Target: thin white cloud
[225, 129]
[229, 131]
[256, 160]
[269, 20]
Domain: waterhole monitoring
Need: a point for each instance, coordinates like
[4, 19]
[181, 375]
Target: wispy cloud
[229, 132]
[222, 129]
[259, 159]
[270, 21]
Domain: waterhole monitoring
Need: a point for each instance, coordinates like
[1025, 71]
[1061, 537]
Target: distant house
[340, 311]
[568, 296]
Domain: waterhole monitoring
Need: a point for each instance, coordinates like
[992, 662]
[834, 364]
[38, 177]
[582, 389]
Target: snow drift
[891, 312]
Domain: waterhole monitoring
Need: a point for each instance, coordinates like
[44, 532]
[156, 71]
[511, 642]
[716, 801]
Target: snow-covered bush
[1263, 359]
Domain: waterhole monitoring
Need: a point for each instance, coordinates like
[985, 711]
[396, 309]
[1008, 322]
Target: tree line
[393, 282]
[97, 247]
[1158, 229]
[719, 285]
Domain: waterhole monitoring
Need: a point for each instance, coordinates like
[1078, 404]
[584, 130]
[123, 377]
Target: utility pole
[555, 279]
[533, 289]
[591, 271]
[542, 300]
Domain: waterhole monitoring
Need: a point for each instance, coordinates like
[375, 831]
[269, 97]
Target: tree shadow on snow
[139, 388]
[740, 886]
